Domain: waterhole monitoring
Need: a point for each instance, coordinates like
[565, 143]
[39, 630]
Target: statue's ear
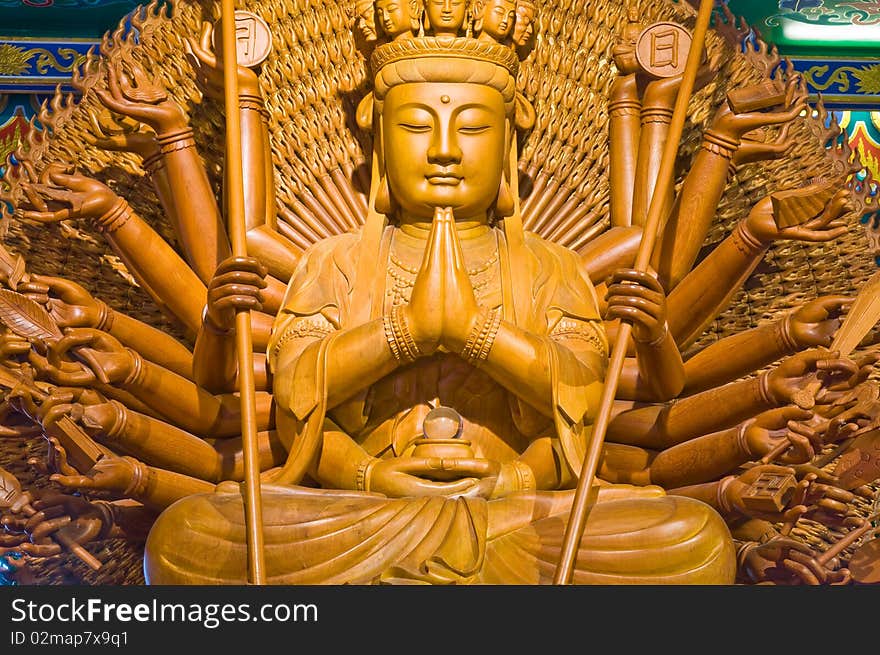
[525, 113]
[365, 112]
[504, 203]
[477, 7]
[416, 9]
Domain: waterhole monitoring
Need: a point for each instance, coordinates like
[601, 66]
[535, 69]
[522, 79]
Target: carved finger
[803, 573]
[59, 195]
[641, 278]
[47, 549]
[58, 458]
[236, 302]
[74, 481]
[34, 198]
[48, 527]
[46, 217]
[120, 106]
[242, 264]
[649, 307]
[633, 290]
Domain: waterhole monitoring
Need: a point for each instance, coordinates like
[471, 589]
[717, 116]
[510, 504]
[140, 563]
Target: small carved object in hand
[771, 492]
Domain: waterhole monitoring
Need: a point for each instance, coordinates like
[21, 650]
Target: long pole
[575, 527]
[253, 506]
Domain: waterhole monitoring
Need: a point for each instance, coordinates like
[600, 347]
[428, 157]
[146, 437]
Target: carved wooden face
[499, 17]
[445, 16]
[444, 147]
[523, 28]
[394, 16]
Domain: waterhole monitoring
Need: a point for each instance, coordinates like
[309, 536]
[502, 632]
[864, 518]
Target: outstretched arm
[812, 324]
[662, 426]
[701, 190]
[151, 260]
[183, 403]
[695, 302]
[264, 241]
[190, 201]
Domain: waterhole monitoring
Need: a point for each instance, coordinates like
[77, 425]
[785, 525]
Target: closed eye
[473, 129]
[415, 127]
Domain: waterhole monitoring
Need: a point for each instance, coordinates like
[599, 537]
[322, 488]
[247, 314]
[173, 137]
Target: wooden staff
[253, 505]
[575, 527]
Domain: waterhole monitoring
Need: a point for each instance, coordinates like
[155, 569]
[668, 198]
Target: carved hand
[141, 99]
[460, 311]
[101, 355]
[77, 195]
[424, 313]
[826, 503]
[794, 374]
[12, 346]
[786, 561]
[121, 135]
[637, 298]
[74, 516]
[116, 474]
[752, 150]
[738, 487]
[736, 125]
[769, 429]
[400, 477]
[662, 92]
[815, 323]
[237, 285]
[207, 65]
[827, 226]
[69, 304]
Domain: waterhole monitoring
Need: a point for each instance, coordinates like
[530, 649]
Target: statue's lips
[443, 179]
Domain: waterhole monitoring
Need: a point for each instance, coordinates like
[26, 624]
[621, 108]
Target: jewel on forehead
[445, 99]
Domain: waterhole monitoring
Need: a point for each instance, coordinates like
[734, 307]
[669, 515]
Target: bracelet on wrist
[117, 216]
[745, 241]
[364, 471]
[764, 392]
[105, 316]
[785, 339]
[137, 367]
[176, 140]
[720, 144]
[138, 485]
[481, 338]
[398, 336]
[659, 341]
[721, 496]
[211, 326]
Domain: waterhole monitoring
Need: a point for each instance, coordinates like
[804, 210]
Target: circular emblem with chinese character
[253, 40]
[662, 49]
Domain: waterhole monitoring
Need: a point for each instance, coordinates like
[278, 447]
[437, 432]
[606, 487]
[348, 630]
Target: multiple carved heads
[500, 21]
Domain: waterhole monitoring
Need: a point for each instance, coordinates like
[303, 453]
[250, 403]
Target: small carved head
[365, 10]
[523, 28]
[495, 18]
[445, 17]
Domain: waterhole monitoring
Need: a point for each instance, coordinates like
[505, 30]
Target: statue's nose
[444, 149]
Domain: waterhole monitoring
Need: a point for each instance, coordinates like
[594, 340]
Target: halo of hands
[441, 314]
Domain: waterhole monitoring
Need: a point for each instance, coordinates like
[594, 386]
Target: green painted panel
[66, 19]
[815, 27]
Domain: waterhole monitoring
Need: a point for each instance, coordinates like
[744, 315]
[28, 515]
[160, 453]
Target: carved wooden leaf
[860, 319]
[26, 318]
[9, 488]
[860, 464]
